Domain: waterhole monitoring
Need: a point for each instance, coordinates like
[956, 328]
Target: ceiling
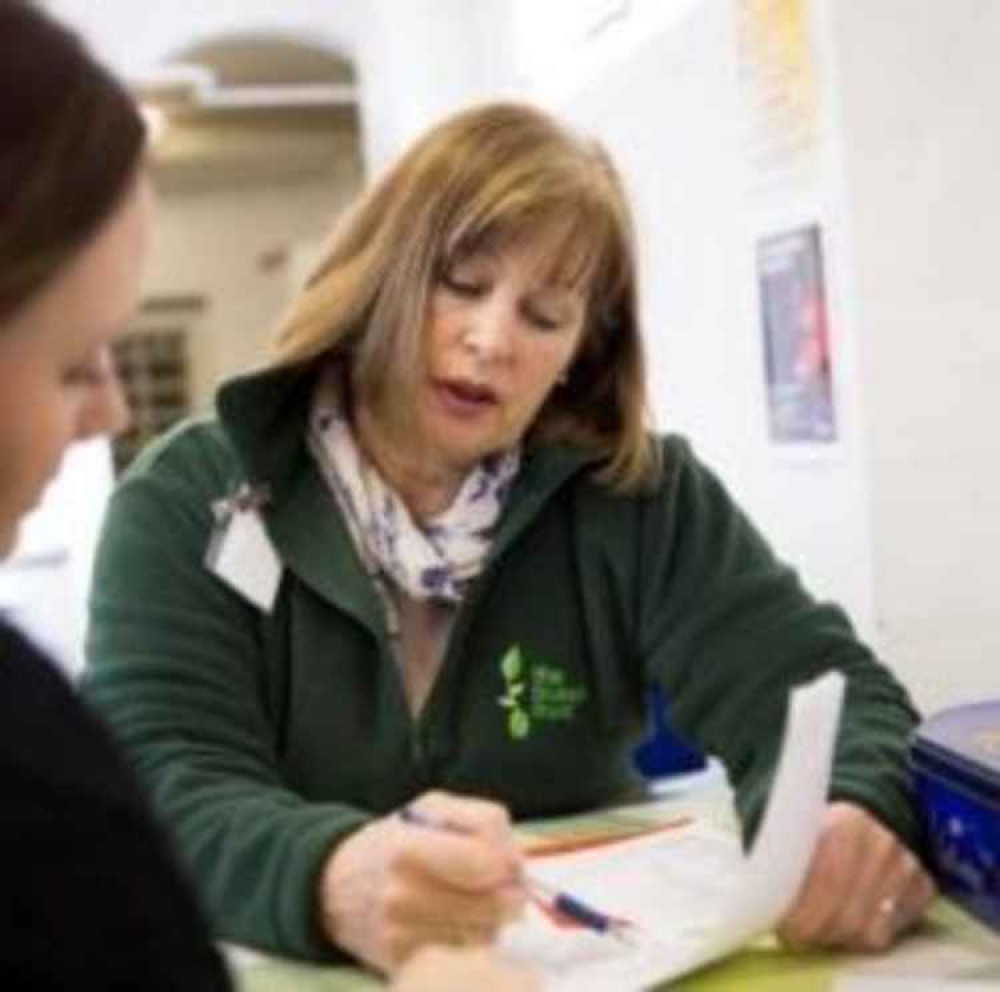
[251, 109]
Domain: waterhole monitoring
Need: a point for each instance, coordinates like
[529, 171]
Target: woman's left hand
[864, 887]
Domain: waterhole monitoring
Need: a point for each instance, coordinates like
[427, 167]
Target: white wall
[43, 586]
[900, 521]
[420, 59]
[659, 85]
[134, 37]
[920, 85]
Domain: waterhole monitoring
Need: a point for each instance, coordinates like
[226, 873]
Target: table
[949, 945]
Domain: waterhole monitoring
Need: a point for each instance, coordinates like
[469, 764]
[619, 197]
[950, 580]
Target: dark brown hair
[491, 175]
[71, 139]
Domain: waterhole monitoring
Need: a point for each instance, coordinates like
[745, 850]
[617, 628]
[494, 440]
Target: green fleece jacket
[267, 737]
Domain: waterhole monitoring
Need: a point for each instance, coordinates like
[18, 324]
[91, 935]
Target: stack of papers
[693, 894]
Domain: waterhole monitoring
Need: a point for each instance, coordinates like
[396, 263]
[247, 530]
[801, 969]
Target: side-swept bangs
[486, 179]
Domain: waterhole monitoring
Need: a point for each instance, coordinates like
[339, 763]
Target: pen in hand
[554, 901]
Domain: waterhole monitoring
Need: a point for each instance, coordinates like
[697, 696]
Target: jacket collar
[265, 415]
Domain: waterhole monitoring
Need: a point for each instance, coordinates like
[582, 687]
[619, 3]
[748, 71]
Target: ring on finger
[888, 906]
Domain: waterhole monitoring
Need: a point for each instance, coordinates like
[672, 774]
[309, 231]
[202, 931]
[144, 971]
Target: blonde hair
[490, 176]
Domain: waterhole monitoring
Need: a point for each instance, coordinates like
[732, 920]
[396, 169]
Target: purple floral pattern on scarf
[435, 561]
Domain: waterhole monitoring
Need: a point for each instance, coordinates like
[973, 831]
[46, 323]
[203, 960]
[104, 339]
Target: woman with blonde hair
[429, 561]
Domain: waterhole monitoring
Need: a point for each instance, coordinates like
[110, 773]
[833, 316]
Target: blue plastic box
[955, 757]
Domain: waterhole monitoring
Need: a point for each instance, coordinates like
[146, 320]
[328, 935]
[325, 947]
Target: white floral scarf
[436, 560]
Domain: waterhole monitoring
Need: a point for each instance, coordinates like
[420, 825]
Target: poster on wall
[794, 324]
[780, 86]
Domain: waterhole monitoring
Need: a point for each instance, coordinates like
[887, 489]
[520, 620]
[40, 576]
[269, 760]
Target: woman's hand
[439, 969]
[864, 887]
[393, 886]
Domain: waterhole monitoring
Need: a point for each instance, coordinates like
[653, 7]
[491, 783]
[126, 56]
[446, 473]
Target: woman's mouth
[463, 398]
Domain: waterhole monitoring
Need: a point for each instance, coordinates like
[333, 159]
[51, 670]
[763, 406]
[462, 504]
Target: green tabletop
[949, 944]
[754, 969]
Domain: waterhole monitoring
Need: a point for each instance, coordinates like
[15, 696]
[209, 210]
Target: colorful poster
[780, 88]
[796, 337]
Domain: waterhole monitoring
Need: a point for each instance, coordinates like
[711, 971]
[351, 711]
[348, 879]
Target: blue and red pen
[558, 905]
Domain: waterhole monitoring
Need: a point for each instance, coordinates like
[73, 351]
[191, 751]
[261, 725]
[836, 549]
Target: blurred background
[814, 184]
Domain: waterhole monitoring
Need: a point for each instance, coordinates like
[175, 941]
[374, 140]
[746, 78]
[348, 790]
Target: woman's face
[496, 341]
[57, 383]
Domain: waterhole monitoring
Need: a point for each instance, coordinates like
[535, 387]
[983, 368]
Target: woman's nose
[106, 410]
[488, 329]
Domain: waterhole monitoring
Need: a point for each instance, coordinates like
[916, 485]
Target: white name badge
[242, 555]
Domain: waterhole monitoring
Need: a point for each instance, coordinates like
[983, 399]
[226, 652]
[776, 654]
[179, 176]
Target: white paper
[243, 556]
[693, 893]
[910, 984]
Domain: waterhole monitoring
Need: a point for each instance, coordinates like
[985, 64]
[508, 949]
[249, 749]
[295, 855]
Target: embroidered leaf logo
[537, 692]
[518, 724]
[512, 668]
[512, 663]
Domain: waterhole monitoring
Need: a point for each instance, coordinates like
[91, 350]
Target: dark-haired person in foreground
[89, 892]
[90, 897]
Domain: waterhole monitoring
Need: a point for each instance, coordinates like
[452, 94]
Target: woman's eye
[544, 322]
[462, 285]
[546, 316]
[92, 371]
[85, 374]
